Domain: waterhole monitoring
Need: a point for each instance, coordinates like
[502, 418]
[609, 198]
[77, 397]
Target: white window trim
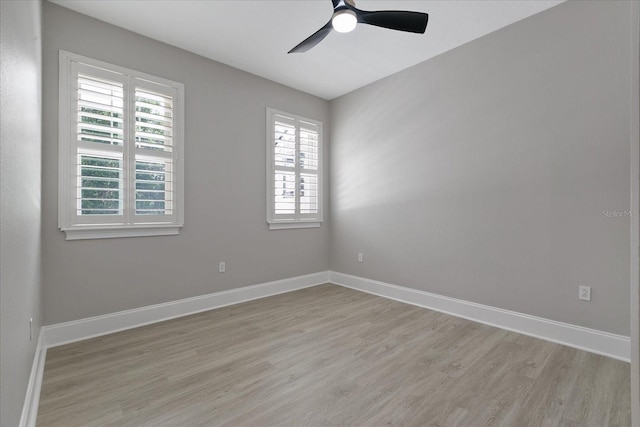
[303, 222]
[75, 231]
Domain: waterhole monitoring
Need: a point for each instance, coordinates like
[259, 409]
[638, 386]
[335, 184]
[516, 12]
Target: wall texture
[498, 172]
[20, 149]
[225, 213]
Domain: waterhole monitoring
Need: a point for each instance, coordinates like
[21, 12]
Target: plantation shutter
[124, 150]
[121, 139]
[284, 156]
[154, 194]
[309, 162]
[294, 169]
[99, 158]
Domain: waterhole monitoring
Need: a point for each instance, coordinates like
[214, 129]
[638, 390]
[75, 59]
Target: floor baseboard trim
[68, 332]
[594, 341]
[32, 397]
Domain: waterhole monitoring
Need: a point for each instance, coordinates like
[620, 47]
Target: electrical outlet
[222, 267]
[360, 257]
[584, 293]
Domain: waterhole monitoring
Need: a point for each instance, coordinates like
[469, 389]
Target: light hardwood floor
[329, 356]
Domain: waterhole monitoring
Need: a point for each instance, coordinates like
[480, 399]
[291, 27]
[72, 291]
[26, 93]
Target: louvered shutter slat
[284, 140]
[153, 194]
[100, 110]
[154, 122]
[99, 185]
[285, 193]
[153, 133]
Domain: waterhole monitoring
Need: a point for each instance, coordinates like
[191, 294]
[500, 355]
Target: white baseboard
[594, 341]
[604, 343]
[599, 342]
[32, 397]
[77, 330]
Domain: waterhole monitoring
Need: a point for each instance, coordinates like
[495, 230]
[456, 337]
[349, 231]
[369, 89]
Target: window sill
[283, 225]
[84, 232]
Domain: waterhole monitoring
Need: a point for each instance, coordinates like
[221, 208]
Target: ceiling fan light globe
[344, 21]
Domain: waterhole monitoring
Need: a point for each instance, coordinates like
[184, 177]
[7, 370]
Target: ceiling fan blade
[413, 22]
[313, 39]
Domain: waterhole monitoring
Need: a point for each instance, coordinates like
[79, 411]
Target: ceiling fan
[346, 16]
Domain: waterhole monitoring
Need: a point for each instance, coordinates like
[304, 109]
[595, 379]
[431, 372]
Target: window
[294, 166]
[120, 145]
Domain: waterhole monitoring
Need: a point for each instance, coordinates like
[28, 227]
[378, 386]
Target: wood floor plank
[328, 356]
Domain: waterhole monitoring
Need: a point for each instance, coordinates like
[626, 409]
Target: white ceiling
[255, 35]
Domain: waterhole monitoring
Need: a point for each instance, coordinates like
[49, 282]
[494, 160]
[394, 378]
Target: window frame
[296, 220]
[127, 224]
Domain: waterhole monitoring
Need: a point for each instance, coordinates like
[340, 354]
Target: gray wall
[225, 190]
[483, 174]
[20, 148]
[635, 222]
